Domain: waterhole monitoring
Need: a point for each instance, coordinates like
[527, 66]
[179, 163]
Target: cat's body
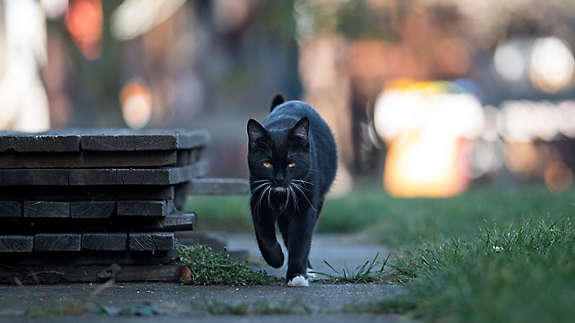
[292, 160]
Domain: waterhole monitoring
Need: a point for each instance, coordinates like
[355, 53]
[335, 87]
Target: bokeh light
[136, 105]
[551, 65]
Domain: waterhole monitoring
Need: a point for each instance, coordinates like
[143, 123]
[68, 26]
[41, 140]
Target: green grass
[209, 267]
[522, 272]
[371, 271]
[488, 255]
[397, 222]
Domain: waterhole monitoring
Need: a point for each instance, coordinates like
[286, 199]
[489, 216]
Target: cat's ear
[277, 100]
[255, 131]
[301, 130]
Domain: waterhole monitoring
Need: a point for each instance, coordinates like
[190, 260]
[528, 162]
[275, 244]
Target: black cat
[292, 160]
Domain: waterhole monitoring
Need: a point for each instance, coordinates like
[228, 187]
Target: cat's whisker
[302, 181]
[302, 187]
[296, 204]
[287, 199]
[303, 193]
[258, 187]
[269, 193]
[261, 197]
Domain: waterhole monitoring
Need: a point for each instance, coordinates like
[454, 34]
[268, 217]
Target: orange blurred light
[136, 105]
[84, 22]
[558, 177]
[421, 166]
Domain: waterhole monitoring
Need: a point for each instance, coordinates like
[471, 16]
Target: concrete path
[340, 251]
[176, 303]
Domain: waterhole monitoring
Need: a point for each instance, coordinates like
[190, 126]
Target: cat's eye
[267, 165]
[291, 165]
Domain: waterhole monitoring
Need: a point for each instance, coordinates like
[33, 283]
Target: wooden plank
[102, 176]
[57, 242]
[172, 222]
[10, 209]
[49, 141]
[144, 208]
[105, 241]
[88, 257]
[151, 241]
[92, 159]
[24, 177]
[219, 186]
[160, 176]
[55, 274]
[46, 209]
[92, 209]
[16, 243]
[175, 221]
[87, 193]
[131, 140]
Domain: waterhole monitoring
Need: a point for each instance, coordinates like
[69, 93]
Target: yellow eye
[267, 165]
[291, 165]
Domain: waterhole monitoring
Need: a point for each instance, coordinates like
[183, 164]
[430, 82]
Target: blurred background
[425, 97]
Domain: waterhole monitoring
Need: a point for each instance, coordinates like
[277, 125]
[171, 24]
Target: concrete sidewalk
[340, 251]
[176, 303]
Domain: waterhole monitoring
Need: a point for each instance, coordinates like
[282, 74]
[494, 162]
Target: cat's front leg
[300, 231]
[264, 226]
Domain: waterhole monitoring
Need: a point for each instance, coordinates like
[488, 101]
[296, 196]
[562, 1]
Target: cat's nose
[279, 179]
[279, 189]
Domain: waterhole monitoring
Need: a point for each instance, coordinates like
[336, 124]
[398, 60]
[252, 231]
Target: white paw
[298, 281]
[310, 273]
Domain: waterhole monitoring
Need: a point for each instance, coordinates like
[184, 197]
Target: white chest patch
[298, 281]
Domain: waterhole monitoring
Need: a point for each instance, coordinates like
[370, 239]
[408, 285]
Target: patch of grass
[400, 223]
[221, 213]
[371, 271]
[262, 307]
[209, 267]
[388, 306]
[70, 308]
[397, 222]
[508, 273]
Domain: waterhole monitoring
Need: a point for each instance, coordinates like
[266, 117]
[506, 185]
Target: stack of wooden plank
[96, 197]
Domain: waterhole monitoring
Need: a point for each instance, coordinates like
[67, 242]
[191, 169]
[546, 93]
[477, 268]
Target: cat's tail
[277, 100]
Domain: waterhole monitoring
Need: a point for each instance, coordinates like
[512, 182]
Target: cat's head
[279, 156]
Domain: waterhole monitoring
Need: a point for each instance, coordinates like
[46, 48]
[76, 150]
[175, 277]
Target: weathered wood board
[16, 243]
[87, 193]
[176, 221]
[58, 274]
[92, 209]
[144, 208]
[151, 241]
[10, 209]
[46, 209]
[58, 242]
[104, 176]
[74, 140]
[105, 241]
